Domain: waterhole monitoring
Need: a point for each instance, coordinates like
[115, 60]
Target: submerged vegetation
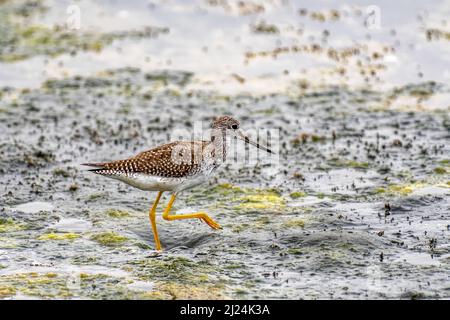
[23, 38]
[115, 213]
[59, 236]
[109, 238]
[9, 225]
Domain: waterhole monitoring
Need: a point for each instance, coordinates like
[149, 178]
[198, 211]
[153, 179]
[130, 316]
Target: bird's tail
[97, 167]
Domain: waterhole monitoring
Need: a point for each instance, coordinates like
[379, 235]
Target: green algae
[7, 243]
[59, 236]
[172, 290]
[96, 196]
[380, 190]
[178, 291]
[34, 40]
[403, 189]
[143, 246]
[116, 213]
[262, 221]
[172, 268]
[226, 189]
[181, 78]
[294, 223]
[321, 195]
[6, 291]
[104, 286]
[268, 112]
[259, 223]
[249, 198]
[84, 260]
[297, 194]
[356, 164]
[24, 39]
[9, 225]
[440, 170]
[66, 286]
[295, 251]
[239, 227]
[344, 163]
[233, 266]
[260, 201]
[109, 238]
[35, 284]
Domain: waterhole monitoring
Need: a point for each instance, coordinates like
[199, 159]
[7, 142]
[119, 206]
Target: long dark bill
[244, 138]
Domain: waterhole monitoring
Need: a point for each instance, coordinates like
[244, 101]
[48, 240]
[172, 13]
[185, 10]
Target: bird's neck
[219, 141]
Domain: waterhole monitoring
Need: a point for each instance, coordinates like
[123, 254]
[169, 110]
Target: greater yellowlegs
[175, 167]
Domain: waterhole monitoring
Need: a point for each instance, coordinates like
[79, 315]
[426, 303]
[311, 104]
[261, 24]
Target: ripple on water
[72, 225]
[34, 207]
[419, 259]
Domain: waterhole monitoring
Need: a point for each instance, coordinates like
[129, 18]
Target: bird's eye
[234, 126]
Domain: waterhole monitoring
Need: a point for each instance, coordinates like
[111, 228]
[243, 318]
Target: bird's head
[225, 123]
[229, 124]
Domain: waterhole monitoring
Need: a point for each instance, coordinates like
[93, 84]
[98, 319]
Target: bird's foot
[210, 222]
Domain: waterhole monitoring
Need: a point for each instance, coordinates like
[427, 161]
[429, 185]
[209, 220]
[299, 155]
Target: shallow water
[354, 205]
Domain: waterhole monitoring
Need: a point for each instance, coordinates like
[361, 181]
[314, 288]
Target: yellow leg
[198, 215]
[152, 216]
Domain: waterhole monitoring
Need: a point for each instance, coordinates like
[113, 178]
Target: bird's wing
[175, 160]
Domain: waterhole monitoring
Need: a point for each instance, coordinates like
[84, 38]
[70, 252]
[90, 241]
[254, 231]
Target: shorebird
[175, 167]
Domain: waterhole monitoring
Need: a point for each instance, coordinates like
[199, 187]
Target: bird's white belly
[150, 183]
[154, 183]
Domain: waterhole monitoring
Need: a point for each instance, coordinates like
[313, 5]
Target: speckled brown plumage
[173, 160]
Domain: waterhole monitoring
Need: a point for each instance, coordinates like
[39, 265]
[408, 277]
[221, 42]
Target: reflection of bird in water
[175, 167]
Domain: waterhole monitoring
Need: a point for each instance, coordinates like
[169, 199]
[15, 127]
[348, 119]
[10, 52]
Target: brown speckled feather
[172, 160]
